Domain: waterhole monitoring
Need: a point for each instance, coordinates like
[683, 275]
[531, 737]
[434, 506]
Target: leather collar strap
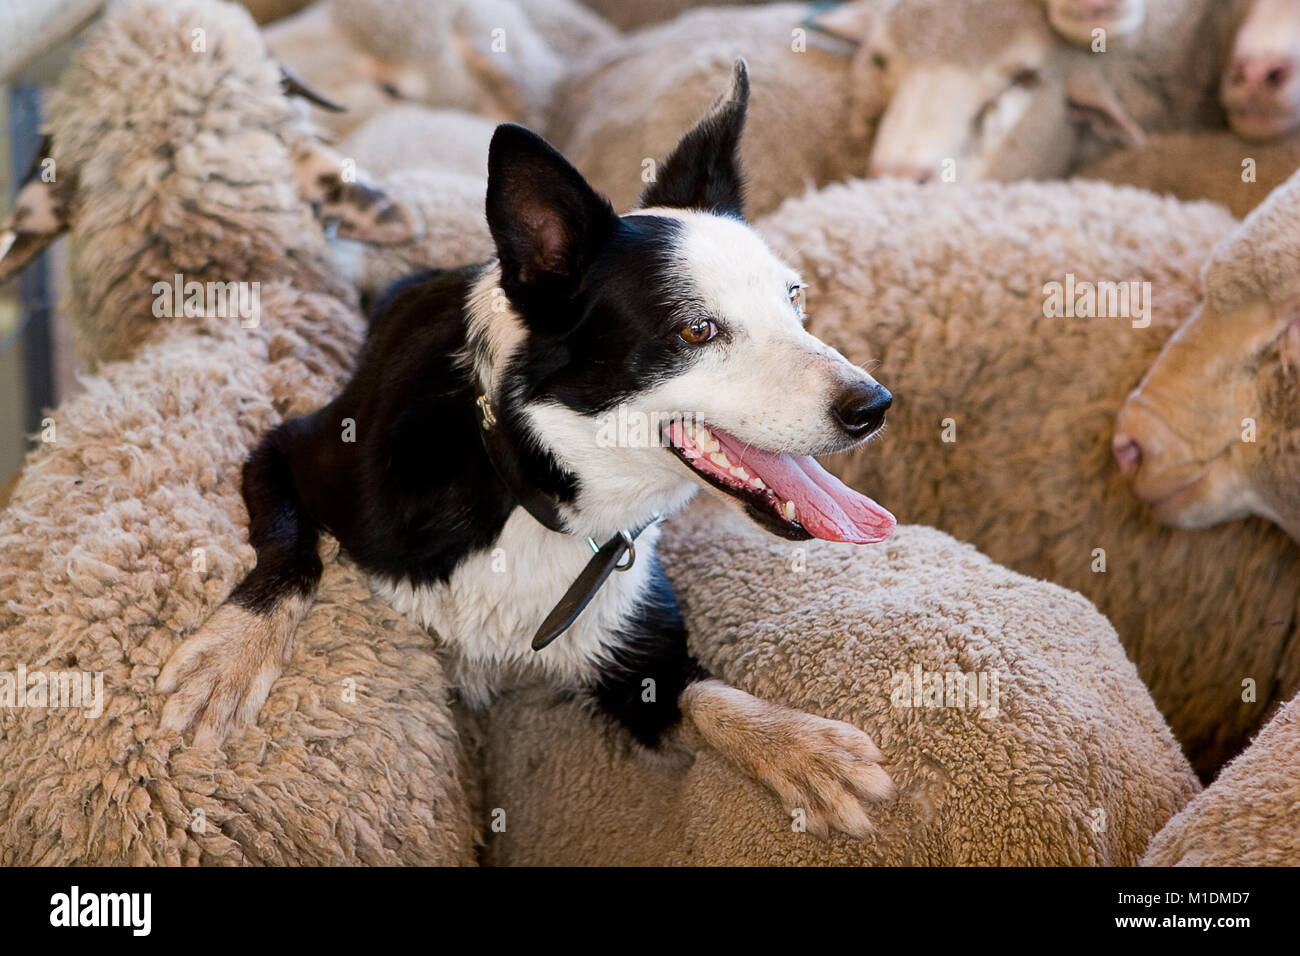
[607, 557]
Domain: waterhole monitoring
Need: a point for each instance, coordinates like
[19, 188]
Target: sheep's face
[1261, 88]
[1000, 102]
[1079, 21]
[1212, 433]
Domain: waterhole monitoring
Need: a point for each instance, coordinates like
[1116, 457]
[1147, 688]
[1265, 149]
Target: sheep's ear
[39, 217]
[546, 220]
[1093, 104]
[348, 202]
[703, 171]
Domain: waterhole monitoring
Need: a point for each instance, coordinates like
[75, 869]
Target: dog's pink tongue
[825, 506]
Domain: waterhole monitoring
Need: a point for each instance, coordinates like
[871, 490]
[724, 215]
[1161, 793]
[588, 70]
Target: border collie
[476, 486]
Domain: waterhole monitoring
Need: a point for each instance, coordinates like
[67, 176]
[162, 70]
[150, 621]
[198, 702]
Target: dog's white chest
[489, 610]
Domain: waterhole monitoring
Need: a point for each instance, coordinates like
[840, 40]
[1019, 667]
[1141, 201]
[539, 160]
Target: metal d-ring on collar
[616, 554]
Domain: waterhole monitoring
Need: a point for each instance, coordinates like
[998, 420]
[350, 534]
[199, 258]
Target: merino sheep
[808, 125]
[217, 187]
[412, 136]
[1216, 165]
[127, 524]
[1013, 94]
[434, 164]
[500, 58]
[1001, 429]
[1212, 433]
[1261, 88]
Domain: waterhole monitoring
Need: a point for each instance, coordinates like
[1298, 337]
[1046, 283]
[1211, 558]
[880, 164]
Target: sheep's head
[172, 132]
[1261, 88]
[990, 94]
[1079, 21]
[1212, 433]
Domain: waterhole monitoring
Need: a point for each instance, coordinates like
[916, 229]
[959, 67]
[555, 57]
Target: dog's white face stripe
[768, 380]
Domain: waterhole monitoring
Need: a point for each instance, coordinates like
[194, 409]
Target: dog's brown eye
[697, 332]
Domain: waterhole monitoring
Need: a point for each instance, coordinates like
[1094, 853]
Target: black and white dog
[482, 476]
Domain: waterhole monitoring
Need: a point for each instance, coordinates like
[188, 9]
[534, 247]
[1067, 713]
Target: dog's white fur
[771, 383]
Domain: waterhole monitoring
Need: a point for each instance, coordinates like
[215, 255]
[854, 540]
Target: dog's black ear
[703, 171]
[547, 221]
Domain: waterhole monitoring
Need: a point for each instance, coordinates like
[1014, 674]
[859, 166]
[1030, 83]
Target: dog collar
[606, 558]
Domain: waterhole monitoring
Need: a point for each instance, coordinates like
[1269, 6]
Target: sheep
[434, 164]
[1247, 816]
[1013, 92]
[623, 107]
[1261, 88]
[500, 58]
[412, 136]
[838, 630]
[127, 525]
[1216, 165]
[1212, 432]
[1001, 429]
[166, 183]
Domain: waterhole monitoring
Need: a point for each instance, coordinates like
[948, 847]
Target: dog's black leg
[650, 667]
[221, 674]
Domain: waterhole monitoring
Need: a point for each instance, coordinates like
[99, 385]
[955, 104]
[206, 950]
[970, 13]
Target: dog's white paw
[826, 769]
[220, 676]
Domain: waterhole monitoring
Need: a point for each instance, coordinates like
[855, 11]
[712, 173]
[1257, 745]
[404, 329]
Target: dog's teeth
[704, 438]
[787, 509]
[740, 473]
[689, 428]
[720, 459]
[757, 483]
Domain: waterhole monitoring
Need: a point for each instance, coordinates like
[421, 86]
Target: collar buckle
[486, 417]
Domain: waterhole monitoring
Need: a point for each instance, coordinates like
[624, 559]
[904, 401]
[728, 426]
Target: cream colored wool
[1077, 767]
[180, 165]
[632, 101]
[1247, 817]
[412, 136]
[1260, 260]
[355, 758]
[1202, 164]
[434, 162]
[499, 58]
[99, 575]
[450, 206]
[941, 288]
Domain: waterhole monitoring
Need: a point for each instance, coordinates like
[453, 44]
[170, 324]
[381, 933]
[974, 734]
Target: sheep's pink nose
[1263, 74]
[1128, 454]
[889, 171]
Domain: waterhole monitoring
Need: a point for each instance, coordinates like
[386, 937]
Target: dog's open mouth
[790, 495]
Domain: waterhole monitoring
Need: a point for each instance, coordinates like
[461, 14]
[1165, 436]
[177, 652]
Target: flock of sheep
[1004, 431]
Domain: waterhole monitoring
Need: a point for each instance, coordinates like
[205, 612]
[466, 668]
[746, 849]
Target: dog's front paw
[220, 676]
[825, 769]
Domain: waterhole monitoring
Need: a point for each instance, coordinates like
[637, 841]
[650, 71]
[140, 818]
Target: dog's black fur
[416, 493]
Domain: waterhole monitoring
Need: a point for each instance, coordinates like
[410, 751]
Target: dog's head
[664, 349]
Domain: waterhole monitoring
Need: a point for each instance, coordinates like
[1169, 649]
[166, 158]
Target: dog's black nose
[861, 408]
